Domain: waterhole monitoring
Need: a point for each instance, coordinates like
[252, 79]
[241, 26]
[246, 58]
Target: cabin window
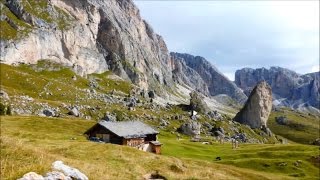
[106, 138]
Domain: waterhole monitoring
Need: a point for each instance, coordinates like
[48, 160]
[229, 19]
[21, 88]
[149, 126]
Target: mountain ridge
[289, 88]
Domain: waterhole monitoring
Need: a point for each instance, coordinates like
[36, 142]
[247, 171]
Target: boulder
[164, 122]
[240, 137]
[31, 176]
[132, 102]
[4, 95]
[197, 104]
[257, 109]
[214, 115]
[191, 128]
[74, 112]
[56, 175]
[68, 171]
[316, 142]
[48, 112]
[282, 120]
[266, 130]
[109, 117]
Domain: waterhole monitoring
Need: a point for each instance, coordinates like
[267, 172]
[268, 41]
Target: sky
[237, 34]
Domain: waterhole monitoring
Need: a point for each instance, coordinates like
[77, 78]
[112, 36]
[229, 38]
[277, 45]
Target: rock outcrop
[197, 72]
[191, 128]
[89, 36]
[289, 88]
[256, 111]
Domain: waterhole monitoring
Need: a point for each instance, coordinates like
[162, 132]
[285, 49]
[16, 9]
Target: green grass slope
[33, 143]
[258, 157]
[301, 128]
[48, 82]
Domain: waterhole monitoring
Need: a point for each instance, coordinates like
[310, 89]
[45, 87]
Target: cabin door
[106, 137]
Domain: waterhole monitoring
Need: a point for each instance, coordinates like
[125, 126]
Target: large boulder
[68, 171]
[32, 176]
[197, 103]
[61, 172]
[256, 111]
[191, 128]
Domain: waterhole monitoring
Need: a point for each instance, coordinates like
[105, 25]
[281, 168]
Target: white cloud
[315, 68]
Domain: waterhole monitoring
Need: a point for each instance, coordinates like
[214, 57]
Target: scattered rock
[56, 175]
[74, 112]
[266, 130]
[109, 117]
[154, 176]
[282, 120]
[4, 95]
[31, 176]
[240, 137]
[132, 102]
[282, 164]
[256, 111]
[207, 125]
[74, 78]
[164, 123]
[191, 128]
[61, 172]
[214, 115]
[297, 163]
[48, 112]
[68, 171]
[316, 142]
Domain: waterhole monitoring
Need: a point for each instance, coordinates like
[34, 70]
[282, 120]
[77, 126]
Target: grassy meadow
[30, 143]
[301, 127]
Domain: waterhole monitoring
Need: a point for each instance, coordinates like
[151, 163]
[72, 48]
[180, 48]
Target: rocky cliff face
[257, 109]
[90, 36]
[195, 71]
[289, 88]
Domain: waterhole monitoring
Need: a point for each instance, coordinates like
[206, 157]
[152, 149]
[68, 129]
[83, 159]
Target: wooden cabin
[129, 133]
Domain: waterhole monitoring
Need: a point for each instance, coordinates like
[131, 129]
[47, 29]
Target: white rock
[69, 171]
[56, 175]
[32, 176]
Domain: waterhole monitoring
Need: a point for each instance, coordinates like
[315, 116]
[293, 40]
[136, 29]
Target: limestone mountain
[289, 88]
[89, 36]
[197, 72]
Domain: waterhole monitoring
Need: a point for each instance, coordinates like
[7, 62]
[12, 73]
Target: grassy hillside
[258, 157]
[48, 82]
[33, 143]
[300, 127]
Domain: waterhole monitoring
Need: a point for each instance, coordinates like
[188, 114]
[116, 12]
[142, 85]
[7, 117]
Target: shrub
[9, 110]
[2, 109]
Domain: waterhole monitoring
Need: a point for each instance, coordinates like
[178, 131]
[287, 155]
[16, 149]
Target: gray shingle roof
[128, 129]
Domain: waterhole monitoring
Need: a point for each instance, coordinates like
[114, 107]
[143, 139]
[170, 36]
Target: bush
[119, 115]
[2, 109]
[9, 110]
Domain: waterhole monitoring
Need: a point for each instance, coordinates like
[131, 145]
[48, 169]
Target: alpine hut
[129, 133]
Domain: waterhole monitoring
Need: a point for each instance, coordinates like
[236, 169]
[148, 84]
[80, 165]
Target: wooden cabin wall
[133, 142]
